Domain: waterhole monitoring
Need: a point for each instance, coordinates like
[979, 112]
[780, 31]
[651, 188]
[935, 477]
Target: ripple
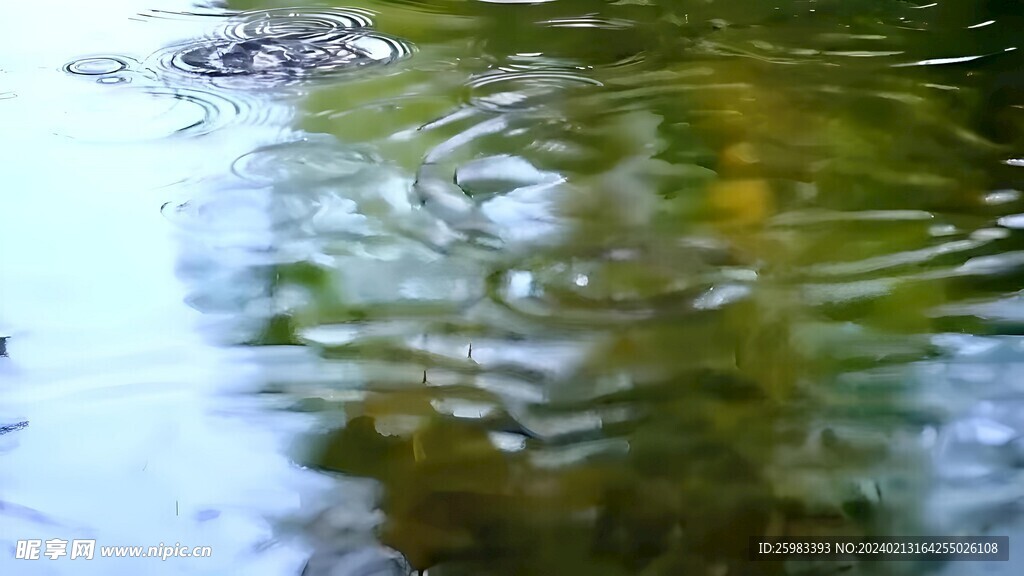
[8, 428]
[318, 196]
[157, 14]
[897, 259]
[210, 214]
[497, 197]
[284, 46]
[239, 211]
[607, 289]
[951, 60]
[311, 159]
[225, 57]
[97, 66]
[508, 91]
[200, 112]
[154, 112]
[277, 61]
[1001, 197]
[500, 174]
[114, 80]
[295, 24]
[589, 22]
[821, 216]
[591, 41]
[1014, 221]
[535, 61]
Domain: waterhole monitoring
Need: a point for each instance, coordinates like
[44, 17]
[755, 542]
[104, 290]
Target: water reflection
[131, 439]
[710, 285]
[574, 288]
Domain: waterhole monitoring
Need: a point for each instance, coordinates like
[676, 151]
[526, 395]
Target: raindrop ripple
[283, 45]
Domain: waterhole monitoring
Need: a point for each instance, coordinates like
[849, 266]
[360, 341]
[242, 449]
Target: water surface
[516, 288]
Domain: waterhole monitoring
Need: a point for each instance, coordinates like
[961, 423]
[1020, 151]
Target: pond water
[509, 288]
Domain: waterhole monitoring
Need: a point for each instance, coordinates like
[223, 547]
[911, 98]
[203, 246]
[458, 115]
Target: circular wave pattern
[506, 91]
[152, 112]
[227, 57]
[284, 58]
[207, 111]
[307, 160]
[282, 46]
[97, 66]
[114, 80]
[294, 24]
[590, 292]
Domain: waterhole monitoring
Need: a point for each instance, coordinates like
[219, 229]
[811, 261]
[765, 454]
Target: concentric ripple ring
[281, 46]
[295, 24]
[96, 66]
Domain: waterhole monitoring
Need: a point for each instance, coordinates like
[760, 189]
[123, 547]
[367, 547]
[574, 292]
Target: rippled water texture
[514, 288]
[273, 47]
